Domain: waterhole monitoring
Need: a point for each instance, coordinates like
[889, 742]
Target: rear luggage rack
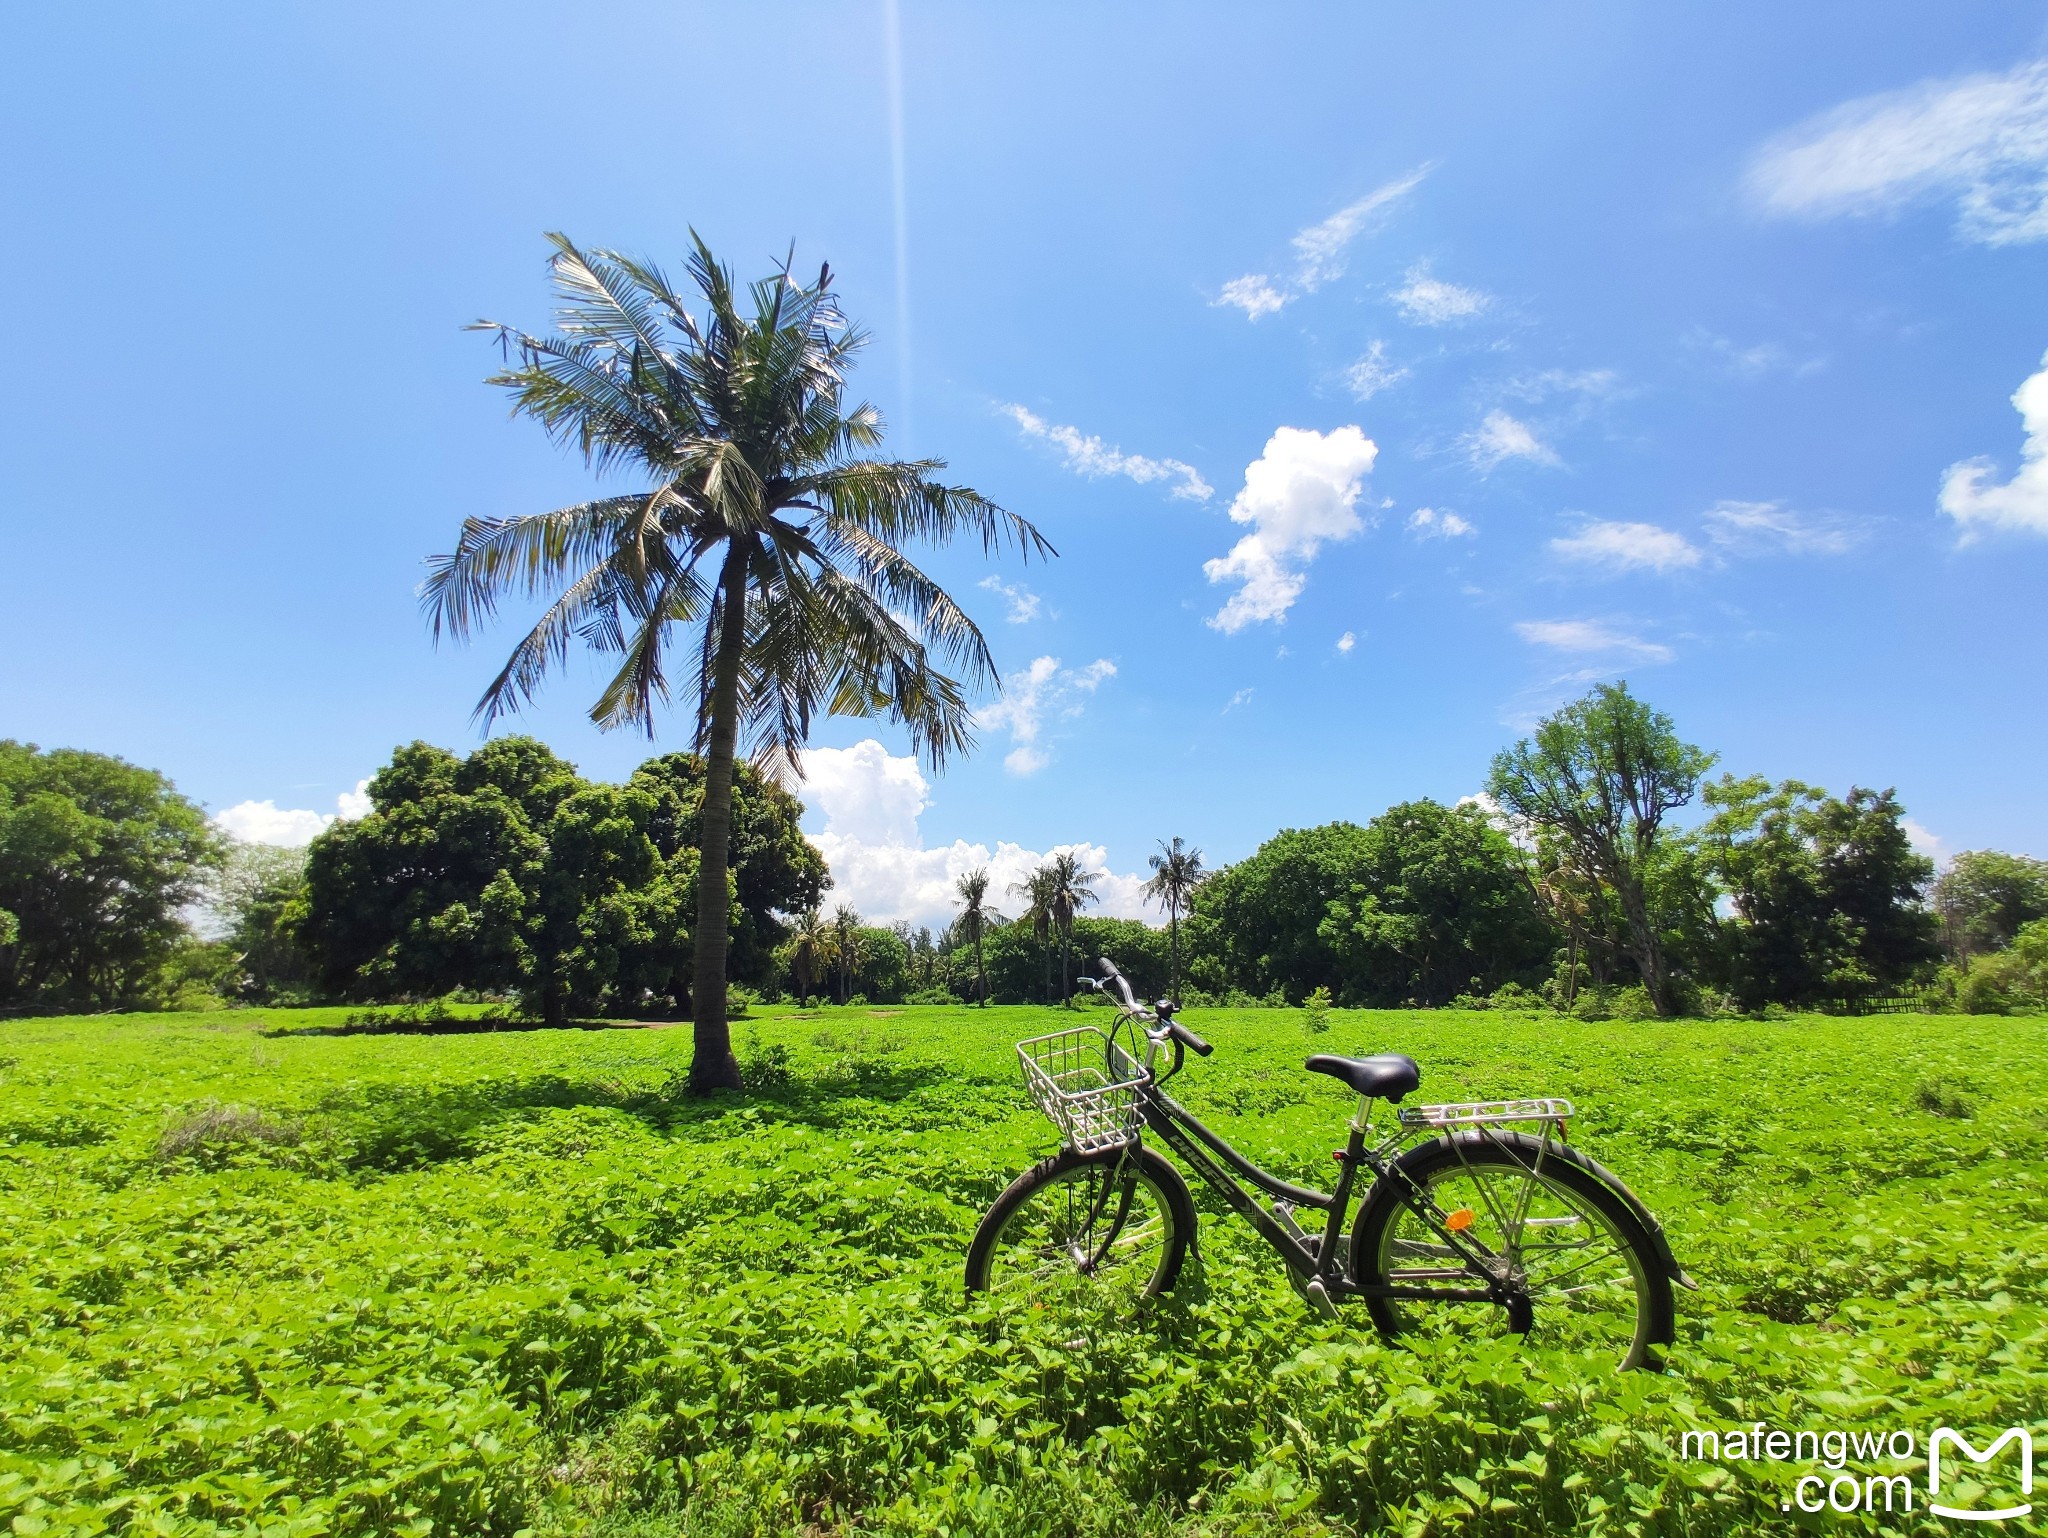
[1485, 1113]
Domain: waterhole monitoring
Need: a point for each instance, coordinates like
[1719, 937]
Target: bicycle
[1492, 1215]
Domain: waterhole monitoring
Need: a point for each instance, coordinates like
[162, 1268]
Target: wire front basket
[1088, 1086]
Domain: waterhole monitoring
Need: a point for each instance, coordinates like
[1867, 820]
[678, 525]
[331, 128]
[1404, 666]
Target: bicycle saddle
[1387, 1074]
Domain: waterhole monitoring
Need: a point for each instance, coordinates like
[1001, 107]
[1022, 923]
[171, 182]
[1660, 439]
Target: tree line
[506, 874]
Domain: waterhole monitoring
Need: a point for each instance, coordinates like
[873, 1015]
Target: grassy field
[511, 1282]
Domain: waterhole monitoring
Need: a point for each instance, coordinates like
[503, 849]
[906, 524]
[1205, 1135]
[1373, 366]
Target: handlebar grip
[1189, 1039]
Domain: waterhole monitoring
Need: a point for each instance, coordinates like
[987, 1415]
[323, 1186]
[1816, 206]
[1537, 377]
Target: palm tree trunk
[1173, 929]
[1067, 968]
[712, 1065]
[980, 973]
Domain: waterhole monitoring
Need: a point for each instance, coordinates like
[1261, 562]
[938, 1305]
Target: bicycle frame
[1322, 1268]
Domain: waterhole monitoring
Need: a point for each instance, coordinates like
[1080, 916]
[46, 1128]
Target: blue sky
[1382, 377]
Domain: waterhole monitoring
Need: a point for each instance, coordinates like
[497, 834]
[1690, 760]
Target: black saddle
[1388, 1075]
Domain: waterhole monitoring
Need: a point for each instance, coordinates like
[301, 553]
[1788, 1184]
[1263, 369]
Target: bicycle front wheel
[1583, 1271]
[1113, 1226]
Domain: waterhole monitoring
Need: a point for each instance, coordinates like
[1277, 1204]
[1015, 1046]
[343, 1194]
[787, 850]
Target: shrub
[1633, 1003]
[932, 996]
[1315, 1012]
[1954, 1098]
[1513, 996]
[213, 1131]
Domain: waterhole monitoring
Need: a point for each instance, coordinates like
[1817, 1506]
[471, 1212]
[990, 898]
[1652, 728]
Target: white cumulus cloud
[1319, 250]
[1301, 492]
[1629, 546]
[1438, 523]
[1044, 691]
[2018, 506]
[871, 801]
[1981, 139]
[1590, 637]
[1347, 641]
[1500, 438]
[1086, 454]
[1429, 301]
[265, 822]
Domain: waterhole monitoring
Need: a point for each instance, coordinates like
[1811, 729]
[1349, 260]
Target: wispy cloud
[1242, 697]
[1438, 523]
[2018, 506]
[1591, 637]
[1347, 641]
[1752, 361]
[1373, 373]
[1430, 301]
[1981, 139]
[1319, 250]
[1585, 383]
[1629, 547]
[1500, 438]
[1300, 493]
[1043, 691]
[1085, 454]
[1758, 528]
[1024, 604]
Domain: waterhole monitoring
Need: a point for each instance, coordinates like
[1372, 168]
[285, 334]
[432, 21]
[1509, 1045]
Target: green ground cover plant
[513, 1282]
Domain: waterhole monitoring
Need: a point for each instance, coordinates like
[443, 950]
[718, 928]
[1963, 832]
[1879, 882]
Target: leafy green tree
[2011, 980]
[1984, 897]
[761, 531]
[883, 976]
[1257, 925]
[98, 860]
[1825, 893]
[259, 897]
[775, 869]
[1423, 903]
[974, 921]
[1600, 775]
[1436, 906]
[1176, 872]
[508, 872]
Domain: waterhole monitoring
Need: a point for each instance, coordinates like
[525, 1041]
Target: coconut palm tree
[1070, 894]
[1037, 890]
[975, 918]
[812, 950]
[1176, 871]
[761, 558]
[848, 949]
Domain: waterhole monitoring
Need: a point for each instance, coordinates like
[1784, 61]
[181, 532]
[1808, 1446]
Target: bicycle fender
[1634, 1203]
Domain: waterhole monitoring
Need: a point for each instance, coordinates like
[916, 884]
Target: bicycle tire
[1055, 1196]
[1590, 1307]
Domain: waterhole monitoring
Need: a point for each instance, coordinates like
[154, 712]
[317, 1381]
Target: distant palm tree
[975, 918]
[1176, 873]
[1040, 896]
[847, 947]
[1070, 893]
[762, 541]
[812, 950]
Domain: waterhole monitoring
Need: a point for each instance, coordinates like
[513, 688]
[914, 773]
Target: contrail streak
[892, 29]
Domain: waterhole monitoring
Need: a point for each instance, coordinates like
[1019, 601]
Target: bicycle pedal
[1319, 1298]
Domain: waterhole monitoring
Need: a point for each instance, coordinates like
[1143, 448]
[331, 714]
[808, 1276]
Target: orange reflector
[1459, 1221]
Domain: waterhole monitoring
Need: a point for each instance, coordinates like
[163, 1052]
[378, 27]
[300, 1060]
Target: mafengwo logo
[1945, 1437]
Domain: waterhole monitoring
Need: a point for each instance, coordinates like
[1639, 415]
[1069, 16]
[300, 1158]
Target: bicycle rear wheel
[1585, 1273]
[1112, 1226]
